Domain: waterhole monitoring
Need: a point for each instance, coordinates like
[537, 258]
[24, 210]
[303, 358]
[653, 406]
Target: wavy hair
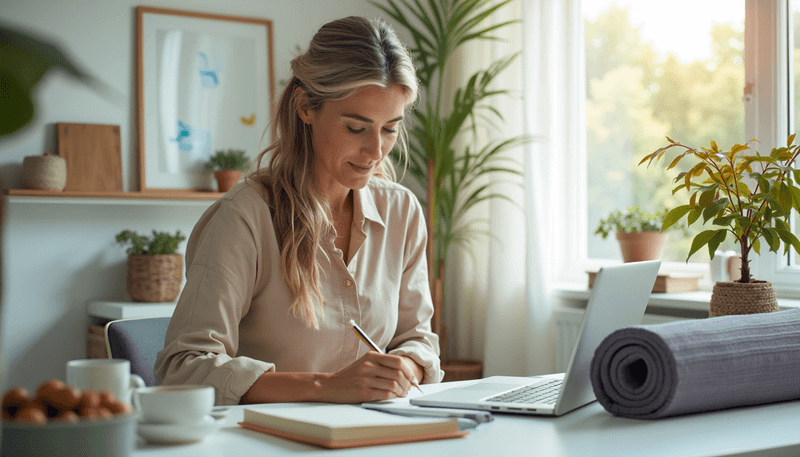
[343, 56]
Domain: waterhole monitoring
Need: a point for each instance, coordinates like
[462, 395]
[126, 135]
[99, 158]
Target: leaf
[714, 208]
[693, 216]
[716, 240]
[790, 239]
[675, 162]
[707, 197]
[674, 216]
[700, 240]
[772, 239]
[785, 196]
[790, 140]
[714, 146]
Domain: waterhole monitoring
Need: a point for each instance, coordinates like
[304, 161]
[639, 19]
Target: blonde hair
[344, 55]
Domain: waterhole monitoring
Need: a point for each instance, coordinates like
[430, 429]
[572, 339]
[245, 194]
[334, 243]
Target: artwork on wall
[205, 83]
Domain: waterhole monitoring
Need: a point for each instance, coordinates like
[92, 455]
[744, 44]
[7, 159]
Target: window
[654, 71]
[694, 71]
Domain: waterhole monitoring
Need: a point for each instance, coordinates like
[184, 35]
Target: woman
[279, 265]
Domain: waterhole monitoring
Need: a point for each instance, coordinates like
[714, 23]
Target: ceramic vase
[639, 246]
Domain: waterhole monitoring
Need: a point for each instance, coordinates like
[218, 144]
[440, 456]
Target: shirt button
[348, 283]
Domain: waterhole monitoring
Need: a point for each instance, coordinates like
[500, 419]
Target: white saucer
[178, 433]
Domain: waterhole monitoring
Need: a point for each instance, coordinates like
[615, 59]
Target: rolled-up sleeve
[223, 256]
[414, 337]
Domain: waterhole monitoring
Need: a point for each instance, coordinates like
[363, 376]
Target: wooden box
[666, 283]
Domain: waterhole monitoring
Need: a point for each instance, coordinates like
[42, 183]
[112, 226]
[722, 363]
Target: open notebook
[343, 426]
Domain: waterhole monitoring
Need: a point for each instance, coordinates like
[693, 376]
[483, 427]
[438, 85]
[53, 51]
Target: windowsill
[683, 302]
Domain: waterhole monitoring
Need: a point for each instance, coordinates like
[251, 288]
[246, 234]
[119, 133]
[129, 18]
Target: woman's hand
[373, 377]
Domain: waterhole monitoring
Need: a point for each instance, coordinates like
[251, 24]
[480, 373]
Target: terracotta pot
[639, 246]
[462, 369]
[154, 278]
[731, 297]
[227, 179]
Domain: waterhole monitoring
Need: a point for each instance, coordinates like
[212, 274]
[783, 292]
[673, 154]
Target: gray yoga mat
[653, 371]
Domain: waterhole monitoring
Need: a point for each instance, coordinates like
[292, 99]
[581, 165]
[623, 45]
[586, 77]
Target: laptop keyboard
[546, 393]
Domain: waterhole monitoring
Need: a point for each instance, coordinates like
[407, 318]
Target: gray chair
[137, 340]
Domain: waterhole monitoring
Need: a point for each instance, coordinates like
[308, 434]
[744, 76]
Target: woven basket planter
[154, 278]
[731, 297]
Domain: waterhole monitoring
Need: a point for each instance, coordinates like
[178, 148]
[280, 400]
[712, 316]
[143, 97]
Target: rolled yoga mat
[653, 371]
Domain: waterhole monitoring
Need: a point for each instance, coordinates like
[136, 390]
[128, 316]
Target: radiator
[568, 324]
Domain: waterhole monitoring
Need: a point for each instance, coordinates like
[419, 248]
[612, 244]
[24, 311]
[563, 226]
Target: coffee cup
[113, 375]
[180, 404]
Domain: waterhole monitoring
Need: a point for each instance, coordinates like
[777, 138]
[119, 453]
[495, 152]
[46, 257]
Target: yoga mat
[653, 371]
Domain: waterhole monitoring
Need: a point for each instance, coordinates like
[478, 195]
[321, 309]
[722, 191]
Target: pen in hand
[366, 339]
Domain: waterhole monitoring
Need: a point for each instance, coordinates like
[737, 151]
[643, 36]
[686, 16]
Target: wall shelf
[167, 197]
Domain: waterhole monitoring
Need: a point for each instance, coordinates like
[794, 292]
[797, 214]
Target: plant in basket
[155, 271]
[228, 167]
[736, 193]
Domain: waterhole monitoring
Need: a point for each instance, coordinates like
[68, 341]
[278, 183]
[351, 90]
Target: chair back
[137, 340]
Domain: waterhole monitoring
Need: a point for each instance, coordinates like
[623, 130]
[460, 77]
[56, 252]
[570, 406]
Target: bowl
[114, 437]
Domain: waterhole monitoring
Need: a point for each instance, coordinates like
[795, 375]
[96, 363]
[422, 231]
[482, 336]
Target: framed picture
[205, 83]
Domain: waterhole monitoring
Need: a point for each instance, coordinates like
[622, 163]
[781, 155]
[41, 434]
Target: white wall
[57, 256]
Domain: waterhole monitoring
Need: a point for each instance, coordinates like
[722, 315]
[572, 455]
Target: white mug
[113, 375]
[180, 404]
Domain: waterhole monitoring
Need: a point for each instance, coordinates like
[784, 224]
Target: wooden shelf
[148, 195]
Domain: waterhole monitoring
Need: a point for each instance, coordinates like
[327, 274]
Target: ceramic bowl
[115, 437]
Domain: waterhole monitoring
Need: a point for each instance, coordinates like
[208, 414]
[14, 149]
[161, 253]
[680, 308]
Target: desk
[772, 430]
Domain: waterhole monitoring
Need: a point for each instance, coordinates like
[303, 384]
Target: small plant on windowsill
[639, 233]
[747, 195]
[228, 167]
[155, 270]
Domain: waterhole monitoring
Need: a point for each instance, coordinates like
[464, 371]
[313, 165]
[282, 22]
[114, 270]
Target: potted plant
[455, 176]
[228, 167]
[155, 271]
[639, 233]
[745, 195]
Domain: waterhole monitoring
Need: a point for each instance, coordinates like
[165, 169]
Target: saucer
[178, 433]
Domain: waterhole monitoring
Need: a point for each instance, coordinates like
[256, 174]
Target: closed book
[344, 426]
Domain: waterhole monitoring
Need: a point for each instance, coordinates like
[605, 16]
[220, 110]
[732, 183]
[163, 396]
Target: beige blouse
[232, 322]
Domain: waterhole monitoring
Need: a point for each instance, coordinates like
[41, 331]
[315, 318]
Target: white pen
[371, 344]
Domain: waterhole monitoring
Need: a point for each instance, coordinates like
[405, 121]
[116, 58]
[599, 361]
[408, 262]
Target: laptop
[618, 299]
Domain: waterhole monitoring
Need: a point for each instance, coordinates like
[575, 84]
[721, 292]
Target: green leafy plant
[750, 196]
[232, 159]
[161, 243]
[456, 177]
[631, 220]
[24, 61]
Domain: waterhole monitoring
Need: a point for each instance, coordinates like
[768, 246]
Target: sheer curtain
[504, 290]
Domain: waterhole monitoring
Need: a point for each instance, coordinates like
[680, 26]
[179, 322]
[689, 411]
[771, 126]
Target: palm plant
[455, 177]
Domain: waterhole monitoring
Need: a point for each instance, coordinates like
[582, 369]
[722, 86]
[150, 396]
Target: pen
[366, 339]
[477, 416]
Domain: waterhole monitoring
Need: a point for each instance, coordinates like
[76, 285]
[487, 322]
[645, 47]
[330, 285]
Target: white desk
[772, 430]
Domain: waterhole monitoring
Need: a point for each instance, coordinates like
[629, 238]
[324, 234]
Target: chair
[137, 340]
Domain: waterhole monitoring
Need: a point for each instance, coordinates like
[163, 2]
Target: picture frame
[205, 82]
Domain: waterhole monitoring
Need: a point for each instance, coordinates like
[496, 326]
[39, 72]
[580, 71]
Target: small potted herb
[639, 233]
[228, 167]
[155, 270]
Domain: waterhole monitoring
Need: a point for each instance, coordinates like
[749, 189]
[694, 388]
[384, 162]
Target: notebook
[618, 299]
[344, 426]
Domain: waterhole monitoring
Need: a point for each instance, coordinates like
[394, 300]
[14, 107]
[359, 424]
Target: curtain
[504, 289]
